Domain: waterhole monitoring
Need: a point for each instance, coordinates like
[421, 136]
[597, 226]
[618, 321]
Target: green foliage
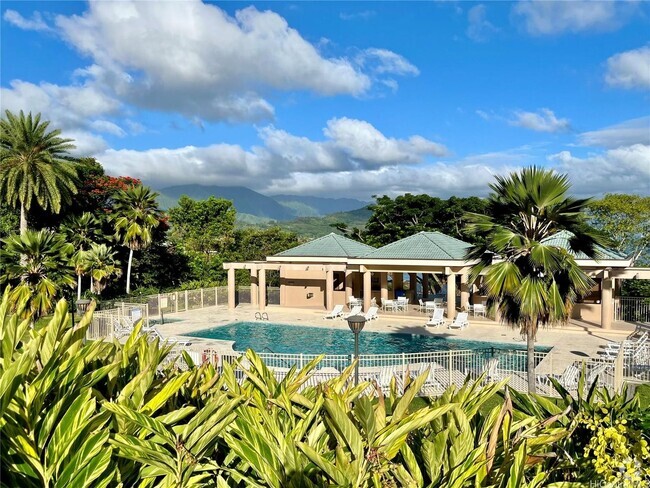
[32, 164]
[625, 219]
[409, 214]
[38, 264]
[96, 414]
[100, 262]
[9, 221]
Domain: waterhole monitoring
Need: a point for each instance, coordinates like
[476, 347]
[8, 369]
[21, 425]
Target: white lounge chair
[337, 311]
[155, 334]
[372, 313]
[356, 310]
[437, 319]
[460, 322]
[569, 378]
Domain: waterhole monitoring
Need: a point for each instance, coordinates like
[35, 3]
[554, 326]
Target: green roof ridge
[345, 247]
[455, 251]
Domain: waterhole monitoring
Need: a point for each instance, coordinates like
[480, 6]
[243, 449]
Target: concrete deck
[574, 341]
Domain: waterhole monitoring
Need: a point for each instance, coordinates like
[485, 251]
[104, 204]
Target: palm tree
[136, 215]
[32, 168]
[81, 231]
[528, 277]
[100, 261]
[38, 262]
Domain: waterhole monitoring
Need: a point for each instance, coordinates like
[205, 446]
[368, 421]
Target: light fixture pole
[356, 323]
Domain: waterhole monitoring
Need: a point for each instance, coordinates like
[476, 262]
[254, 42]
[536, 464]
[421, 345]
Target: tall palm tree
[81, 231]
[38, 264]
[135, 216]
[530, 279]
[100, 262]
[32, 168]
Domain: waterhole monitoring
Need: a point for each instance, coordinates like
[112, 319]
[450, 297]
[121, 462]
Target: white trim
[305, 259]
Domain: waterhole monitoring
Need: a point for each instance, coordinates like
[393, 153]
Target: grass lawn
[644, 395]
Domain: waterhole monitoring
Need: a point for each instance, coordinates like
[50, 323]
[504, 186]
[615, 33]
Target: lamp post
[356, 323]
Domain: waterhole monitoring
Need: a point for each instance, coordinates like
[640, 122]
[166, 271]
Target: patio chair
[437, 319]
[388, 305]
[356, 310]
[371, 314]
[479, 309]
[569, 377]
[154, 333]
[460, 322]
[337, 311]
[430, 307]
[402, 304]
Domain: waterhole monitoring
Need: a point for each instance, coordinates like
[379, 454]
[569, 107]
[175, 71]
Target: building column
[329, 288]
[606, 301]
[398, 283]
[413, 287]
[348, 286]
[231, 288]
[283, 288]
[383, 280]
[367, 290]
[425, 285]
[261, 303]
[254, 288]
[464, 292]
[451, 296]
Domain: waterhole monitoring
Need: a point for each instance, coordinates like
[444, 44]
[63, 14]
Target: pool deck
[572, 342]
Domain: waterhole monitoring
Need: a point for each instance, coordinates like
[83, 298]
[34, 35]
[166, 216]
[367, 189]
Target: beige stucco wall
[303, 288]
[589, 312]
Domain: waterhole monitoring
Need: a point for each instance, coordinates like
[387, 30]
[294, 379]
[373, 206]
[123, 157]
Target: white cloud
[542, 121]
[483, 114]
[214, 66]
[383, 61]
[36, 23]
[629, 69]
[625, 169]
[543, 17]
[628, 133]
[363, 15]
[479, 29]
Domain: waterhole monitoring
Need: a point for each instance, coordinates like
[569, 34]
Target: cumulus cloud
[350, 146]
[215, 66]
[36, 23]
[629, 69]
[628, 133]
[479, 29]
[624, 169]
[363, 15]
[542, 121]
[543, 17]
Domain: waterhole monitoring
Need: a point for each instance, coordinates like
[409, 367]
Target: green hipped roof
[423, 246]
[562, 238]
[329, 246]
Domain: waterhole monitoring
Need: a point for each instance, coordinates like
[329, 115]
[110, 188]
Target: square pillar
[413, 287]
[254, 287]
[262, 289]
[367, 290]
[464, 292]
[348, 285]
[383, 279]
[398, 283]
[425, 285]
[231, 288]
[451, 296]
[329, 288]
[606, 309]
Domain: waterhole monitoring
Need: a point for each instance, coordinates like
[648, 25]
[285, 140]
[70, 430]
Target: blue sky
[340, 98]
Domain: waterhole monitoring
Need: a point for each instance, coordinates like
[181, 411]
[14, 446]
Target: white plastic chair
[479, 309]
[437, 319]
[337, 311]
[460, 322]
[372, 313]
[356, 310]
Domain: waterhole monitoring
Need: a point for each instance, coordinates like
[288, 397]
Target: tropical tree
[32, 165]
[100, 262]
[529, 278]
[38, 264]
[135, 216]
[81, 231]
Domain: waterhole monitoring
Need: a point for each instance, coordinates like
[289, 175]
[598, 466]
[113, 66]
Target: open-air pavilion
[328, 271]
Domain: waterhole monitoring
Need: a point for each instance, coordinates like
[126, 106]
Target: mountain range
[253, 207]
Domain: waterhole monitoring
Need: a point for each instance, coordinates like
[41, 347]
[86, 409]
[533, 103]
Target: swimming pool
[296, 339]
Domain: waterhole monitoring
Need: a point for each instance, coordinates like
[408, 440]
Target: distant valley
[305, 215]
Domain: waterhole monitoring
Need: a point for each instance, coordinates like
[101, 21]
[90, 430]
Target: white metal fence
[106, 322]
[632, 309]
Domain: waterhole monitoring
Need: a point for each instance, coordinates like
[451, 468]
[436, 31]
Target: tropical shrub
[99, 414]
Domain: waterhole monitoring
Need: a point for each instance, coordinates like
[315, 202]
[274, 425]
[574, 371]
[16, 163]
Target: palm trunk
[128, 273]
[23, 220]
[530, 366]
[92, 284]
[78, 287]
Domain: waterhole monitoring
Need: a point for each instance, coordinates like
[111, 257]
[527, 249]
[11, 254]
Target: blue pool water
[294, 339]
